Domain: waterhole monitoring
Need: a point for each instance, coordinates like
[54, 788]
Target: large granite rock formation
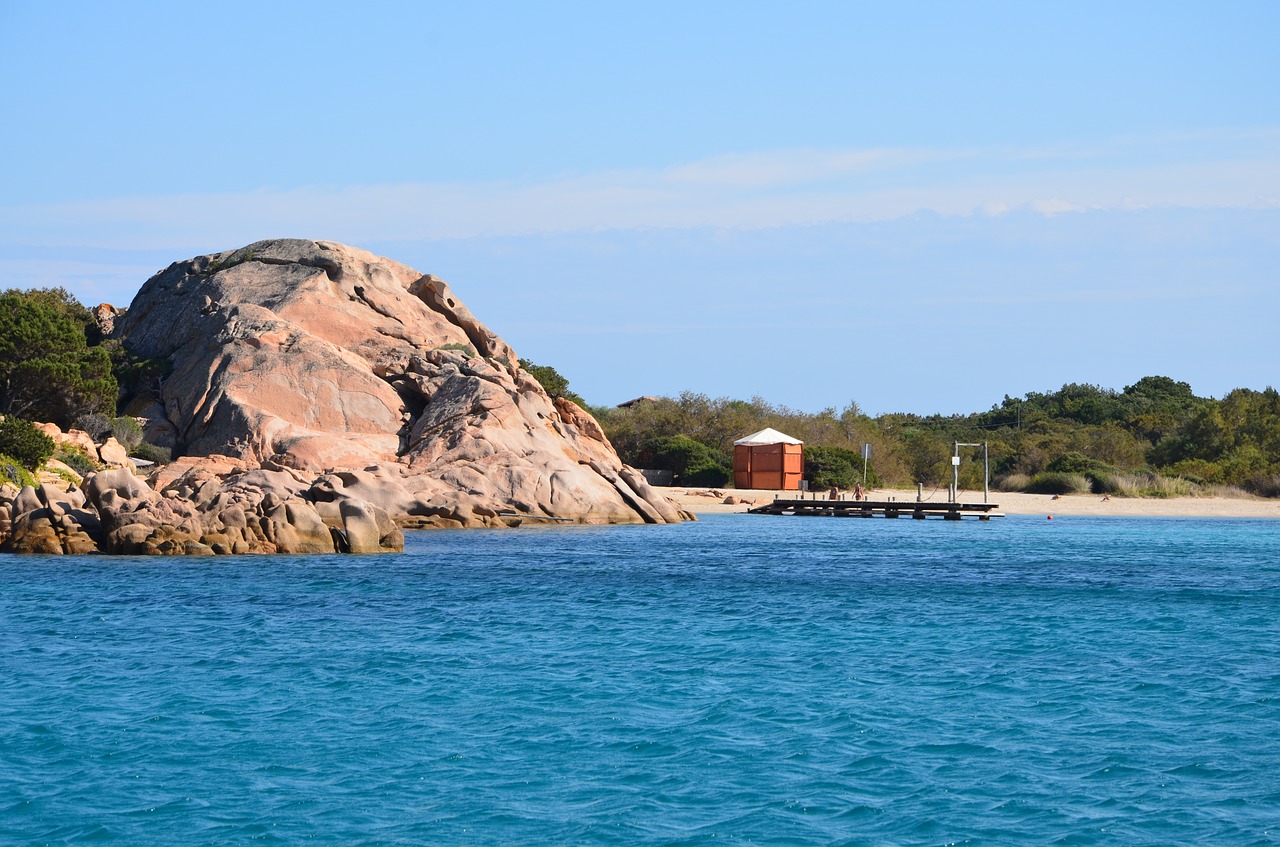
[320, 359]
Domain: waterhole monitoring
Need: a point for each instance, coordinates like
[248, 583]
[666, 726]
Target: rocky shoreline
[218, 505]
[113, 511]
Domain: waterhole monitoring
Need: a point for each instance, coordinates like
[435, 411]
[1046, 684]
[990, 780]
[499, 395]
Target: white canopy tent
[766, 436]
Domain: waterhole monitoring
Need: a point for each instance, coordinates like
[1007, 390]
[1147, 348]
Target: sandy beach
[702, 501]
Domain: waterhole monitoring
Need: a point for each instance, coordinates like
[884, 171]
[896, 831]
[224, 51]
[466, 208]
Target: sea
[744, 679]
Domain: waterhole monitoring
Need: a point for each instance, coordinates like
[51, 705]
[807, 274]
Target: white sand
[711, 501]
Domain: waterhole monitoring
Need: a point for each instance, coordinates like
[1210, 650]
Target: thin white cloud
[795, 167]
[743, 191]
[1055, 206]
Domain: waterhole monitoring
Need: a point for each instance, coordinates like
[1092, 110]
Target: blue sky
[946, 202]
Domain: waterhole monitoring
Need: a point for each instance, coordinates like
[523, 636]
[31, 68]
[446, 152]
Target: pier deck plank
[877, 508]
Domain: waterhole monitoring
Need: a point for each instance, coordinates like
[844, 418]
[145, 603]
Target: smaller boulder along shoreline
[250, 511]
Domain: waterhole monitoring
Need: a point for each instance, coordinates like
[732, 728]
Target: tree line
[1153, 438]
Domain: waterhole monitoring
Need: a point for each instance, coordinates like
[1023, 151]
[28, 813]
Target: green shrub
[1170, 486]
[1123, 484]
[21, 440]
[1111, 483]
[152, 453]
[1141, 484]
[1049, 482]
[1265, 486]
[709, 475]
[67, 476]
[677, 453]
[1012, 482]
[13, 473]
[1198, 470]
[75, 458]
[825, 467]
[127, 431]
[691, 462]
[1073, 462]
[465, 349]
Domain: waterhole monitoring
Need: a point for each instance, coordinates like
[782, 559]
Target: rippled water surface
[746, 679]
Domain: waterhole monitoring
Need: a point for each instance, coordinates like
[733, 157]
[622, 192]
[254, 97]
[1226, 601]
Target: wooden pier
[879, 509]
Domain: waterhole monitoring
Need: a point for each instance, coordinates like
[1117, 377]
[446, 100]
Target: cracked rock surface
[329, 361]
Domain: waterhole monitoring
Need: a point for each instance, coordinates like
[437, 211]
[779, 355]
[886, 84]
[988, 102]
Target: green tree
[48, 371]
[1205, 435]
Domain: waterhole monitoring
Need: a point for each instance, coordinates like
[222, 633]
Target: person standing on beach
[857, 491]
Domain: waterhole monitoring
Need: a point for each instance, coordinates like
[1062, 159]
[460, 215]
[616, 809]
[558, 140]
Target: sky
[916, 206]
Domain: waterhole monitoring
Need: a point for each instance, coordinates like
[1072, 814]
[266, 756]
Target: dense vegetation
[56, 367]
[23, 443]
[1154, 438]
[53, 366]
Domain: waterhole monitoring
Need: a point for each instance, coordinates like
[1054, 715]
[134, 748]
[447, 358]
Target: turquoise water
[746, 679]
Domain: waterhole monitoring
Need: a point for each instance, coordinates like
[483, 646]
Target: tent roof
[768, 436]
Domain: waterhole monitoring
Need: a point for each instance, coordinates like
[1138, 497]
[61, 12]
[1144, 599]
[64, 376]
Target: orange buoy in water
[1051, 517]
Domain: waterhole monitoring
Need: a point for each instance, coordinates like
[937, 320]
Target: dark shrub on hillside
[1011, 482]
[21, 440]
[706, 476]
[838, 466]
[828, 466]
[1072, 462]
[691, 462]
[1103, 482]
[1265, 486]
[1049, 482]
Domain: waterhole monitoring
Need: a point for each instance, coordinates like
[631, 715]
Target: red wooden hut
[768, 459]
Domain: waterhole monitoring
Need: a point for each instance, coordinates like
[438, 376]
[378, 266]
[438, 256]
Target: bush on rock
[22, 441]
